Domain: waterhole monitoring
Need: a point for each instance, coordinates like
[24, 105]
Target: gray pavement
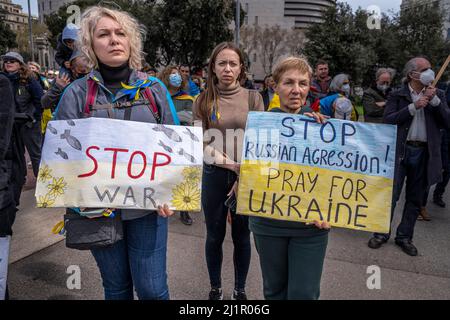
[39, 261]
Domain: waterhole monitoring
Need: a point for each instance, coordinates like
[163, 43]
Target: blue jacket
[437, 118]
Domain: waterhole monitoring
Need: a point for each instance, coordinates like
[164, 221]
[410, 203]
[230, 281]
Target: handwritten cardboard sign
[297, 170]
[106, 163]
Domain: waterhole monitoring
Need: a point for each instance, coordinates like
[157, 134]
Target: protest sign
[106, 163]
[297, 170]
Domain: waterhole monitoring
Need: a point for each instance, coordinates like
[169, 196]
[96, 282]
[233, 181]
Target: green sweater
[279, 228]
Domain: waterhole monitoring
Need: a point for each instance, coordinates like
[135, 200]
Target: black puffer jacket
[12, 163]
[27, 96]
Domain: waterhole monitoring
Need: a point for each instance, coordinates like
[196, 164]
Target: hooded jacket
[63, 52]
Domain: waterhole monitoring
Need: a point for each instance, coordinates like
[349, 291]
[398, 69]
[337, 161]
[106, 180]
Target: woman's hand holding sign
[321, 224]
[320, 118]
[164, 211]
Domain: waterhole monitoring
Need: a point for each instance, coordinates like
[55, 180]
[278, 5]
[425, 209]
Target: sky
[385, 5]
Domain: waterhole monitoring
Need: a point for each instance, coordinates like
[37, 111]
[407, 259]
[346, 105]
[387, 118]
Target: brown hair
[320, 62]
[300, 64]
[165, 74]
[25, 73]
[209, 98]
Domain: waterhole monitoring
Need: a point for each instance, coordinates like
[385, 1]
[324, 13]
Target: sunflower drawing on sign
[57, 187]
[45, 201]
[186, 197]
[45, 173]
[192, 174]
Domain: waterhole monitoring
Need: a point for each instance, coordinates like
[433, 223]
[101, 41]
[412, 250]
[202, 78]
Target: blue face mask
[346, 89]
[175, 80]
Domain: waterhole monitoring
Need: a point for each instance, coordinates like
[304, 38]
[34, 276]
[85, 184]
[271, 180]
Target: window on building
[256, 20]
[43, 6]
[50, 5]
[448, 34]
[17, 19]
[254, 57]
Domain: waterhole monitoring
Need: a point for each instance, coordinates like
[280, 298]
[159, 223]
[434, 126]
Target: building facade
[443, 4]
[45, 51]
[47, 7]
[13, 16]
[299, 14]
[288, 14]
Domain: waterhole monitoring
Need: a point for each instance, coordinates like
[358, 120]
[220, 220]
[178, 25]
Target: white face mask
[426, 77]
[382, 87]
[346, 89]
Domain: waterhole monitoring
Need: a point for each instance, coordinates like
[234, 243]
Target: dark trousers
[439, 190]
[291, 266]
[413, 168]
[216, 183]
[440, 187]
[32, 139]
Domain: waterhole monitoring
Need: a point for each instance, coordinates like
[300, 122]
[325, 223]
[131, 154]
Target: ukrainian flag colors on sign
[297, 170]
[108, 163]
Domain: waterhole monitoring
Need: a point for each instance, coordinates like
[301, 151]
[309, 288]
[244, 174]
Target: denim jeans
[139, 261]
[217, 182]
[414, 168]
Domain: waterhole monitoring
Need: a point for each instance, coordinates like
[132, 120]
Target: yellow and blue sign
[295, 169]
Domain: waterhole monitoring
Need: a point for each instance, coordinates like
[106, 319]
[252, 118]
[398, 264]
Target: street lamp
[30, 30]
[238, 22]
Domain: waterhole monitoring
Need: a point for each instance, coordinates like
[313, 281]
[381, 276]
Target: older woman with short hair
[291, 254]
[112, 42]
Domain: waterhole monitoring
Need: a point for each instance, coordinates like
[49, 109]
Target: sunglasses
[10, 61]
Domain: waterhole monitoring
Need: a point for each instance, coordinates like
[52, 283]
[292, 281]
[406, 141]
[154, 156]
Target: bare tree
[248, 37]
[295, 42]
[272, 45]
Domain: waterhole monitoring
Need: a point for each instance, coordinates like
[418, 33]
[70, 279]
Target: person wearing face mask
[175, 83]
[420, 112]
[78, 69]
[339, 87]
[374, 98]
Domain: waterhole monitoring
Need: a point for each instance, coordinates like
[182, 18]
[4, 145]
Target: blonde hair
[131, 27]
[297, 63]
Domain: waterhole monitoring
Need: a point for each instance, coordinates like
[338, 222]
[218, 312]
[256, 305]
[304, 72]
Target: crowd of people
[106, 51]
